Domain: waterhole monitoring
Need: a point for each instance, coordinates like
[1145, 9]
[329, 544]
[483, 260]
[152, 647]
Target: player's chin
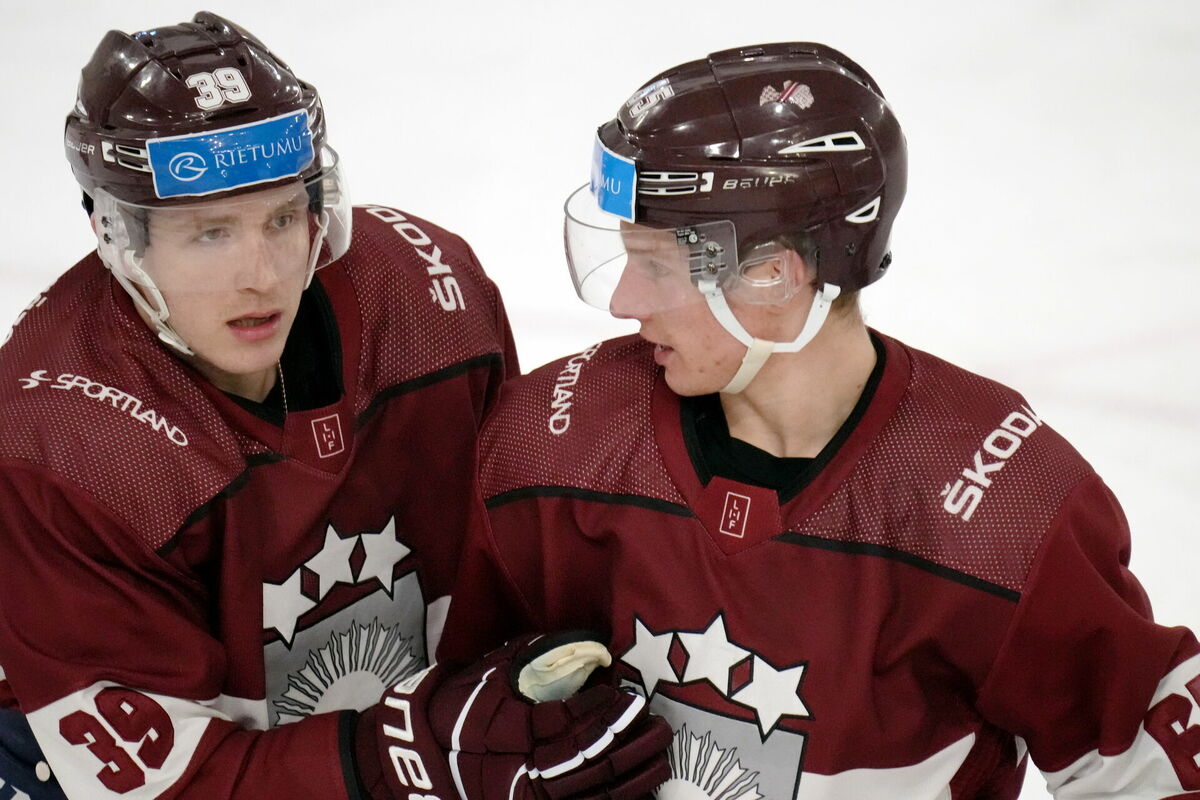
[687, 384]
[235, 356]
[692, 374]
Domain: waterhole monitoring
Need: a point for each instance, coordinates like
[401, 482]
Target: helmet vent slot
[127, 164]
[672, 183]
[868, 213]
[830, 143]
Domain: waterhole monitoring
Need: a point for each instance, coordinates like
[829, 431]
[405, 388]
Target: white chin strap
[759, 350]
[318, 240]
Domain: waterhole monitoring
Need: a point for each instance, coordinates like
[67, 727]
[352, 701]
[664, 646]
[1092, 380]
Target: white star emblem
[283, 604]
[384, 552]
[650, 656]
[711, 655]
[332, 563]
[772, 694]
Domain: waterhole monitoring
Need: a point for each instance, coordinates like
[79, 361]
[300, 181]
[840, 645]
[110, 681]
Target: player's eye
[284, 220]
[212, 234]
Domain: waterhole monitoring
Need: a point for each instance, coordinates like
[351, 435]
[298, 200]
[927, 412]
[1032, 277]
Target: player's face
[655, 276]
[696, 353]
[231, 272]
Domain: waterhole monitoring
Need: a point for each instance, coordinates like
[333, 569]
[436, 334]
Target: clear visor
[631, 270]
[249, 241]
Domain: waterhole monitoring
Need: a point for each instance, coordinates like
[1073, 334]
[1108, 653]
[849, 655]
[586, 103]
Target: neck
[796, 404]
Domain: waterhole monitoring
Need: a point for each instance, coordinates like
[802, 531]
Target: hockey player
[237, 445]
[841, 567]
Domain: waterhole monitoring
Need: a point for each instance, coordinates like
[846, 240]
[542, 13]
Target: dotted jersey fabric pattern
[602, 396]
[946, 428]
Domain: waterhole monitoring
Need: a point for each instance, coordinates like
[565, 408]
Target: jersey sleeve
[1105, 699]
[488, 608]
[108, 646]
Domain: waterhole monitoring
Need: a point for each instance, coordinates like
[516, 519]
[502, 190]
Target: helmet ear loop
[748, 285]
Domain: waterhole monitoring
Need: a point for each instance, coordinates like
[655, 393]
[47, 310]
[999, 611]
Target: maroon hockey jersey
[179, 577]
[947, 593]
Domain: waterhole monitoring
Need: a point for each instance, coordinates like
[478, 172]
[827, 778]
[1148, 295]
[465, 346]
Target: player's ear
[767, 271]
[800, 273]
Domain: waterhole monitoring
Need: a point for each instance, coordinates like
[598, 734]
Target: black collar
[714, 452]
[311, 362]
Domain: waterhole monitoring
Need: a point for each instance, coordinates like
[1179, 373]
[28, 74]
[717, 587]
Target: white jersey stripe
[79, 766]
[1143, 765]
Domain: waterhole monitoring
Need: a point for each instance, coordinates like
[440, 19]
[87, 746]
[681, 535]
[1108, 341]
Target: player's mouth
[662, 353]
[255, 327]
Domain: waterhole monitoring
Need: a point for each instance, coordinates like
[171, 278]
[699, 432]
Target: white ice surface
[1047, 240]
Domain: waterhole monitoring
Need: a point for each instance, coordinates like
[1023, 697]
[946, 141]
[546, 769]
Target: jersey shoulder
[583, 422]
[964, 474]
[426, 305]
[93, 402]
[948, 409]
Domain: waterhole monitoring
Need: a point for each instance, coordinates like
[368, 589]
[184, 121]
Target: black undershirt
[311, 362]
[715, 453]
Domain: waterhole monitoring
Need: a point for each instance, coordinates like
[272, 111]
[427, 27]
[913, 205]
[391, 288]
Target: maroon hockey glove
[497, 744]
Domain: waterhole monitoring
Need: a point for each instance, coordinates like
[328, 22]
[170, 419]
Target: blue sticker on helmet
[217, 161]
[614, 181]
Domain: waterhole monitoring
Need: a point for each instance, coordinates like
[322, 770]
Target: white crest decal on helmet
[797, 94]
[830, 143]
[649, 96]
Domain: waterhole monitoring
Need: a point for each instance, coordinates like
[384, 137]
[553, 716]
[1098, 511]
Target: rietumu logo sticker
[244, 155]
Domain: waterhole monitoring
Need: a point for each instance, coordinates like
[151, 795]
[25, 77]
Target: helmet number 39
[221, 86]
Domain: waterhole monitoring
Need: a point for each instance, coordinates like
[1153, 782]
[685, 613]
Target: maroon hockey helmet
[715, 167]
[173, 121]
[204, 75]
[778, 139]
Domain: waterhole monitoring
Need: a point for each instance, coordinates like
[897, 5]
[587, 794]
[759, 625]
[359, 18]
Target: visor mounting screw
[107, 239]
[105, 221]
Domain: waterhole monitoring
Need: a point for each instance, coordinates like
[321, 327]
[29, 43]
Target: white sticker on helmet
[798, 94]
[649, 96]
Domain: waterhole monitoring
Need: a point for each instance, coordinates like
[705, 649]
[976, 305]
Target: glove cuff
[398, 755]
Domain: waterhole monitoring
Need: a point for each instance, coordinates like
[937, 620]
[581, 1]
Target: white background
[1050, 237]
